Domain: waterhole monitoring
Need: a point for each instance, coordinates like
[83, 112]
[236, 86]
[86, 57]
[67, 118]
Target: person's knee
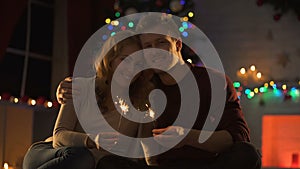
[247, 149]
[117, 162]
[80, 156]
[247, 154]
[28, 161]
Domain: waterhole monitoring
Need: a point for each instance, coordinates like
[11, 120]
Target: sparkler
[151, 114]
[124, 108]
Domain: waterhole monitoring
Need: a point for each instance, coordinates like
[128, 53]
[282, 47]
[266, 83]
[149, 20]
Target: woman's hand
[64, 90]
[171, 137]
[106, 140]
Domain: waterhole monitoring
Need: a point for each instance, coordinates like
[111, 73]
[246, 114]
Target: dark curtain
[10, 13]
[84, 18]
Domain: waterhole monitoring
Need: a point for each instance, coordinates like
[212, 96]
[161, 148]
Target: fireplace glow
[280, 141]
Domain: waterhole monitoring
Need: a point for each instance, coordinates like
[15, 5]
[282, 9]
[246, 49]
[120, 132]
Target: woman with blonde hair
[75, 144]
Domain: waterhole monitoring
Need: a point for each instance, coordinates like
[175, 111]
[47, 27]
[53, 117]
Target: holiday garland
[281, 7]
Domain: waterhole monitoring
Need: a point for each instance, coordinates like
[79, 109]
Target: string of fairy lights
[181, 8]
[114, 26]
[291, 92]
[25, 100]
[287, 90]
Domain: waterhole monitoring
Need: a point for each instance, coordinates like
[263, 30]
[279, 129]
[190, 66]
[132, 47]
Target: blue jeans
[42, 155]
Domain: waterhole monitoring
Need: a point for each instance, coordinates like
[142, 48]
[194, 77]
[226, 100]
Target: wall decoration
[282, 7]
[283, 59]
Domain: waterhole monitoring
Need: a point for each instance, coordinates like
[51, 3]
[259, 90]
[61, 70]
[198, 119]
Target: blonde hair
[111, 50]
[104, 71]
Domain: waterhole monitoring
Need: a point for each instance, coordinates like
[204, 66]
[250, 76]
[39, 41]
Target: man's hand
[171, 137]
[64, 90]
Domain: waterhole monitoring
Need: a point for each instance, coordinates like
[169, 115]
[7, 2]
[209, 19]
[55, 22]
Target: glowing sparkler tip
[123, 106]
[151, 113]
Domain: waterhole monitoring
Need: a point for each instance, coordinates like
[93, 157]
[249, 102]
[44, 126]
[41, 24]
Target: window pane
[18, 39]
[41, 29]
[38, 78]
[11, 70]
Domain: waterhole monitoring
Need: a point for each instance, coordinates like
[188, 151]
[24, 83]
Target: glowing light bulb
[252, 68]
[110, 27]
[185, 34]
[107, 20]
[32, 102]
[130, 24]
[236, 84]
[247, 91]
[49, 104]
[258, 75]
[191, 14]
[123, 28]
[115, 23]
[256, 90]
[266, 85]
[284, 87]
[182, 2]
[5, 166]
[185, 25]
[189, 60]
[185, 18]
[249, 97]
[272, 83]
[294, 92]
[181, 29]
[242, 71]
[16, 100]
[117, 14]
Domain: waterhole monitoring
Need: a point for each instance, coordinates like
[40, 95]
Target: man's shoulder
[204, 68]
[211, 74]
[206, 71]
[198, 69]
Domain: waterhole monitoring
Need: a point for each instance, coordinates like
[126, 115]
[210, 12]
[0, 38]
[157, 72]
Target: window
[30, 75]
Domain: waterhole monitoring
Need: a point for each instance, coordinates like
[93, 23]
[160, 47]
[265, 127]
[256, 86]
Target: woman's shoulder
[83, 83]
[84, 79]
[83, 89]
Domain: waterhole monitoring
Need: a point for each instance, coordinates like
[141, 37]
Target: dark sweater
[232, 118]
